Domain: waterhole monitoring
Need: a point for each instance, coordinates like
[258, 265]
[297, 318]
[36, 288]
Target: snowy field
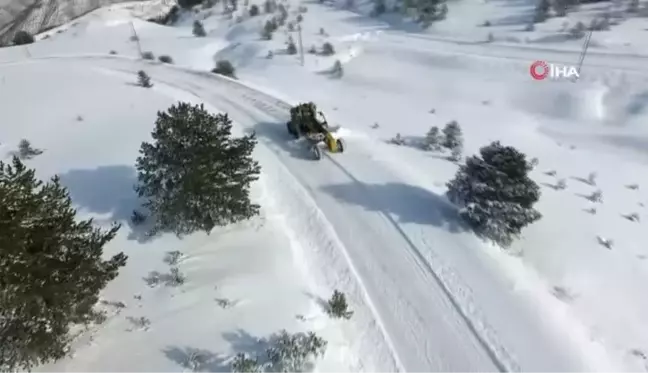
[373, 222]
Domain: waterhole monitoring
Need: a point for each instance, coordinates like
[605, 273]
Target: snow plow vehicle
[304, 123]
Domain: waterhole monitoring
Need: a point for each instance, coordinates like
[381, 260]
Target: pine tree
[22, 38]
[268, 29]
[26, 151]
[269, 6]
[291, 48]
[224, 67]
[327, 49]
[542, 11]
[452, 136]
[337, 71]
[338, 307]
[433, 139]
[195, 175]
[283, 14]
[254, 10]
[496, 193]
[428, 11]
[143, 79]
[199, 29]
[51, 268]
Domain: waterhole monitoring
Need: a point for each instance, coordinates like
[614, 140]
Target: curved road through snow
[439, 303]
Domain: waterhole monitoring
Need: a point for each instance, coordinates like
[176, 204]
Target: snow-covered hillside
[38, 16]
[373, 221]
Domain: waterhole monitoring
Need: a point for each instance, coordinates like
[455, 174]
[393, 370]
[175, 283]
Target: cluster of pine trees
[424, 12]
[194, 175]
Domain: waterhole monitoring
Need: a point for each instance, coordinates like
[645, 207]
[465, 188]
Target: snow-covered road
[438, 301]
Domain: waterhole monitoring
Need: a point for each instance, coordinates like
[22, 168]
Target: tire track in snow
[498, 354]
[276, 107]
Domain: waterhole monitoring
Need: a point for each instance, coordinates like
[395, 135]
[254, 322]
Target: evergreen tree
[428, 11]
[268, 29]
[224, 67]
[542, 11]
[283, 14]
[26, 151]
[199, 29]
[496, 193]
[452, 137]
[379, 8]
[195, 176]
[51, 268]
[433, 139]
[338, 307]
[337, 71]
[143, 79]
[327, 49]
[269, 6]
[254, 10]
[291, 48]
[22, 38]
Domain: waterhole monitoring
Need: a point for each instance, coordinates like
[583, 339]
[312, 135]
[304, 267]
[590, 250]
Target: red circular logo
[539, 70]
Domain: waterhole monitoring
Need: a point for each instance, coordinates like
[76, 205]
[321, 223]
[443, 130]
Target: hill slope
[373, 221]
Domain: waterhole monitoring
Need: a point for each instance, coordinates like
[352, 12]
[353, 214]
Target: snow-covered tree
[143, 79]
[428, 11]
[269, 6]
[591, 178]
[542, 11]
[26, 151]
[195, 175]
[52, 268]
[433, 139]
[254, 10]
[453, 139]
[596, 196]
[291, 48]
[337, 70]
[224, 67]
[267, 30]
[327, 49]
[22, 38]
[283, 14]
[338, 307]
[496, 193]
[294, 352]
[242, 363]
[199, 29]
[379, 8]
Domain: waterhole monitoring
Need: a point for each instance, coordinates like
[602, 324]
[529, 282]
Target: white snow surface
[373, 221]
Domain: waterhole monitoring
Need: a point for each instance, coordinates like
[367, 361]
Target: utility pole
[584, 52]
[136, 38]
[301, 45]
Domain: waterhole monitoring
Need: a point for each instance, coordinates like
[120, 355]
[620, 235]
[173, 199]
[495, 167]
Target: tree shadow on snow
[418, 143]
[195, 359]
[276, 136]
[321, 302]
[243, 342]
[523, 18]
[409, 204]
[107, 190]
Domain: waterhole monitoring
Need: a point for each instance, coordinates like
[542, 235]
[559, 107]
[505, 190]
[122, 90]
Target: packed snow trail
[389, 228]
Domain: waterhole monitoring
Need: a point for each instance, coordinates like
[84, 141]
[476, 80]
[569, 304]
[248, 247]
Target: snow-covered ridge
[36, 16]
